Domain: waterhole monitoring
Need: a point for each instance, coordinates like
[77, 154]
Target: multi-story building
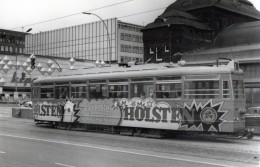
[188, 25]
[109, 41]
[130, 43]
[11, 42]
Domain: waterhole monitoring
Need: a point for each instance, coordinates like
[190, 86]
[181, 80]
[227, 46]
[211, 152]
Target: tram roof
[135, 71]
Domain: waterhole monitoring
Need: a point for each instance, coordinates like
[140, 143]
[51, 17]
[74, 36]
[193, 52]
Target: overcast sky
[16, 14]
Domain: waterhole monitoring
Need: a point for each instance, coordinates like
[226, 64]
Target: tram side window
[142, 87]
[79, 91]
[201, 89]
[62, 92]
[226, 92]
[168, 90]
[47, 92]
[118, 89]
[168, 87]
[98, 91]
[36, 92]
[238, 87]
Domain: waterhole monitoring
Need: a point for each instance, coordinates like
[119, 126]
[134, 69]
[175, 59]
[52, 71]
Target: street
[23, 144]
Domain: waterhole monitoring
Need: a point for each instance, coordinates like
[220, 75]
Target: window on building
[151, 50]
[135, 49]
[122, 48]
[166, 48]
[122, 36]
[122, 59]
[141, 50]
[129, 37]
[133, 38]
[141, 39]
[128, 48]
[158, 54]
[20, 50]
[11, 49]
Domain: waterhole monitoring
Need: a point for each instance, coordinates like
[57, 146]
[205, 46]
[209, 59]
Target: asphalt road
[22, 144]
[28, 152]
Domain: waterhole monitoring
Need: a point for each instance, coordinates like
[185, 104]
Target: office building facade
[110, 41]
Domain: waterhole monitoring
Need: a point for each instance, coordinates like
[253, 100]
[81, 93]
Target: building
[11, 42]
[110, 41]
[130, 43]
[188, 25]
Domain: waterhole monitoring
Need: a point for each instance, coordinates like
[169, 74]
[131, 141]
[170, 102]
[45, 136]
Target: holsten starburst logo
[207, 117]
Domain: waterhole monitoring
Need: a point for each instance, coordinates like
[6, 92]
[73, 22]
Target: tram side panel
[193, 115]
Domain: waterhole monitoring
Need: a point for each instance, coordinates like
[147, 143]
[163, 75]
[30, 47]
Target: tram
[151, 100]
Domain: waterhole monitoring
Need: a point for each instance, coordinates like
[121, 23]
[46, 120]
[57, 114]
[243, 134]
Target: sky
[20, 15]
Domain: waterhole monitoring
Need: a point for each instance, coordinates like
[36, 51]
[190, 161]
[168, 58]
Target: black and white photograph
[130, 83]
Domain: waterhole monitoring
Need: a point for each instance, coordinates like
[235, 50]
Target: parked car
[253, 110]
[26, 104]
[252, 118]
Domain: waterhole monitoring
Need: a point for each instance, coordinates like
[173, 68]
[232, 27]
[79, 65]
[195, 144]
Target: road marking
[1, 152]
[63, 164]
[4, 116]
[120, 151]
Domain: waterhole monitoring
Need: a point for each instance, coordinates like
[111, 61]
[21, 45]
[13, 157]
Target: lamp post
[16, 62]
[110, 49]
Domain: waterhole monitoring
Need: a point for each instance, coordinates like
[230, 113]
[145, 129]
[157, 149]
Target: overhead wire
[134, 14]
[58, 18]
